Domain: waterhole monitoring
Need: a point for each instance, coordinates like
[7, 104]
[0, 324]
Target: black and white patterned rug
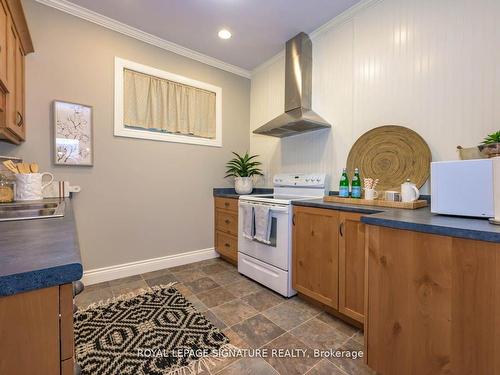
[155, 332]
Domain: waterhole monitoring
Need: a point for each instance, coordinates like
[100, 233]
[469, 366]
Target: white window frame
[123, 131]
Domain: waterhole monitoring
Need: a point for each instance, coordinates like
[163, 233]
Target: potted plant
[491, 145]
[242, 168]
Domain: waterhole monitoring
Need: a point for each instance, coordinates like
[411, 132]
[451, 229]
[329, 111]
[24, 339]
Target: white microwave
[466, 187]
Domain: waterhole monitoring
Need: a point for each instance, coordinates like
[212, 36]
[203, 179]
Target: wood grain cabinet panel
[352, 266]
[67, 367]
[227, 222]
[3, 45]
[433, 304]
[230, 204]
[226, 245]
[29, 333]
[20, 90]
[66, 321]
[12, 42]
[15, 42]
[226, 228]
[315, 254]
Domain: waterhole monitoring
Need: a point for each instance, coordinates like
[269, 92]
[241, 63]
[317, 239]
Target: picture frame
[73, 140]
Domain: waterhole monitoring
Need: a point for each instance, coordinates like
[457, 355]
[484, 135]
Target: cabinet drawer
[226, 222]
[226, 245]
[68, 367]
[227, 203]
[66, 320]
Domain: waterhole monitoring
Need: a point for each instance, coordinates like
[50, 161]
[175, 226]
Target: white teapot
[409, 191]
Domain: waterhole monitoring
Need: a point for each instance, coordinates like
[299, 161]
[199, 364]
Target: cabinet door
[315, 254]
[352, 266]
[13, 122]
[3, 44]
[19, 89]
[29, 323]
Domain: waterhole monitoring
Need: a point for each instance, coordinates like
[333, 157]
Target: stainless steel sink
[31, 210]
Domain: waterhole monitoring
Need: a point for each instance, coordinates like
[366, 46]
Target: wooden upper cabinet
[315, 254]
[352, 266]
[19, 90]
[15, 42]
[3, 46]
[11, 122]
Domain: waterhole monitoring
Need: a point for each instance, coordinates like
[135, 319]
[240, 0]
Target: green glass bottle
[356, 185]
[344, 184]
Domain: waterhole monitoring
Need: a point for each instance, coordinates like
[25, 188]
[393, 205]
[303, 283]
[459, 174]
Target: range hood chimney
[298, 117]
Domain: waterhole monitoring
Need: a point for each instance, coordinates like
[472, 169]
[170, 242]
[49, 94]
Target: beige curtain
[155, 103]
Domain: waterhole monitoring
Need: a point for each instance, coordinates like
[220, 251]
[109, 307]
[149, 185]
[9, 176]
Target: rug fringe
[201, 364]
[126, 296]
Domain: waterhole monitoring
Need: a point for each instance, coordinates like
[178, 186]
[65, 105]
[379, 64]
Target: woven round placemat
[392, 154]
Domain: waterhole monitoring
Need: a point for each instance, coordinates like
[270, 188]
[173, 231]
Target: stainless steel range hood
[298, 117]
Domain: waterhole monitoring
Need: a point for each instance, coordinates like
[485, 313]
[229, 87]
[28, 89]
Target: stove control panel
[300, 179]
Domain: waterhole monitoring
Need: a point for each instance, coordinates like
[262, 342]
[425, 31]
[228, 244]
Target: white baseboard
[118, 271]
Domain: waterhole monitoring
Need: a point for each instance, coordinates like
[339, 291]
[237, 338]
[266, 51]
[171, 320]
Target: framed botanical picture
[73, 134]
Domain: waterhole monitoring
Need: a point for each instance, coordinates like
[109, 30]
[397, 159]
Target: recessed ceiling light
[224, 34]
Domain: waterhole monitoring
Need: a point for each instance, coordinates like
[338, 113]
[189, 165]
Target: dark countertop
[40, 253]
[231, 193]
[419, 220]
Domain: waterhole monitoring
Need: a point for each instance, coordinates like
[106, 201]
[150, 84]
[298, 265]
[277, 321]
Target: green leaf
[243, 166]
[492, 138]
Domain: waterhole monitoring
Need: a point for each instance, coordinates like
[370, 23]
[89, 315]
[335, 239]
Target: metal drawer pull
[20, 120]
[227, 221]
[226, 204]
[227, 245]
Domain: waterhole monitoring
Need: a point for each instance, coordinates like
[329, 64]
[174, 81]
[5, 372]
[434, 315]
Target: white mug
[371, 194]
[29, 186]
[393, 196]
[409, 192]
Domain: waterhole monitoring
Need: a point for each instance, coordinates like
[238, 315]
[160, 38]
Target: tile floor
[252, 317]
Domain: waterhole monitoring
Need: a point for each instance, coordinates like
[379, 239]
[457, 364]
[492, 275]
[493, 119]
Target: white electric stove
[270, 264]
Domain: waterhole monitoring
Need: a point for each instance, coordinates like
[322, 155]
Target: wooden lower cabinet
[226, 228]
[433, 304]
[352, 266]
[226, 245]
[36, 331]
[328, 260]
[315, 254]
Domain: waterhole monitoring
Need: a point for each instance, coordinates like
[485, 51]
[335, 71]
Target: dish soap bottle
[344, 185]
[356, 185]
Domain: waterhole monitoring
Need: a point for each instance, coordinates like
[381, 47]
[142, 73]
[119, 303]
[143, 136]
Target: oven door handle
[272, 208]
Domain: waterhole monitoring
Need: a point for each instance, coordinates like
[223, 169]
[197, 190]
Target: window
[158, 105]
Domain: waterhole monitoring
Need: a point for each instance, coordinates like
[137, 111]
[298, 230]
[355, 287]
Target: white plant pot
[243, 185]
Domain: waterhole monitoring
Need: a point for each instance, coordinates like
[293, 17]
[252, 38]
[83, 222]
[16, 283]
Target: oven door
[277, 253]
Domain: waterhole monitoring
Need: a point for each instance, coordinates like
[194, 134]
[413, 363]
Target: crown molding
[109, 23]
[279, 56]
[343, 17]
[336, 21]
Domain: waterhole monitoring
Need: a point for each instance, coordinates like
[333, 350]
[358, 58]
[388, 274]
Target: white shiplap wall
[433, 66]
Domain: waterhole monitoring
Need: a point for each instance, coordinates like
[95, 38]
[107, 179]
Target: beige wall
[429, 65]
[142, 199]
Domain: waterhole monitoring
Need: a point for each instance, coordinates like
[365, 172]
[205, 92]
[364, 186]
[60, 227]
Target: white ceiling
[259, 27]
